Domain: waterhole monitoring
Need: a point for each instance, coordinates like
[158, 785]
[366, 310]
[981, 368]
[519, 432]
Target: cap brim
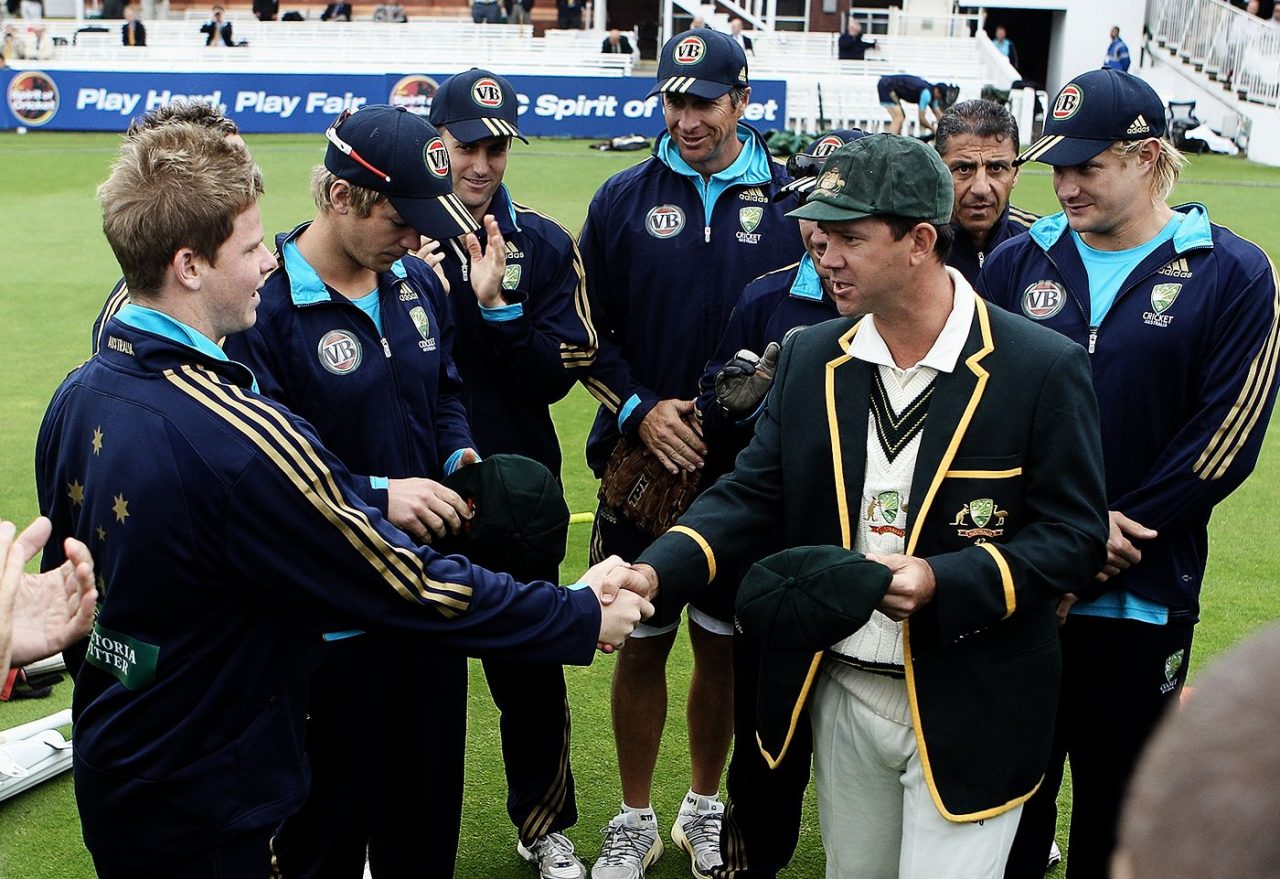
[440, 217]
[800, 187]
[823, 212]
[1056, 149]
[472, 130]
[687, 85]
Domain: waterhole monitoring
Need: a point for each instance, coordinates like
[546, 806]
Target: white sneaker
[553, 856]
[697, 831]
[631, 844]
[1055, 856]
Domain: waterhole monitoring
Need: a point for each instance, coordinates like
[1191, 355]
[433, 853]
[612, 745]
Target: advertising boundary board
[550, 106]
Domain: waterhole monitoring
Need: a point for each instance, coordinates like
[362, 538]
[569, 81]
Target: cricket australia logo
[339, 352]
[664, 221]
[986, 516]
[749, 219]
[1162, 297]
[510, 277]
[1043, 299]
[1172, 665]
[418, 315]
[886, 507]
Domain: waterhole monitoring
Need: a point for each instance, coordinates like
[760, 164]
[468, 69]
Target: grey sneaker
[697, 831]
[553, 856]
[630, 846]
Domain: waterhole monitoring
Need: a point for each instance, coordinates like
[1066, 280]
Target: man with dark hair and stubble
[668, 246]
[978, 141]
[955, 445]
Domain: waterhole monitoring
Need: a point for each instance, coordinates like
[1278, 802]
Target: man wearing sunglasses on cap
[668, 246]
[524, 337]
[354, 334]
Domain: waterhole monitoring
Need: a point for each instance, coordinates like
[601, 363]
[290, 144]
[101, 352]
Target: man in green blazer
[955, 444]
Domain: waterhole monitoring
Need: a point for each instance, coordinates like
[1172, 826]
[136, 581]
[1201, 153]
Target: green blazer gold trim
[833, 425]
[702, 544]
[1006, 579]
[771, 760]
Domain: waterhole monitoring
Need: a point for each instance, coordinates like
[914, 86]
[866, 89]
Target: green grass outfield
[55, 271]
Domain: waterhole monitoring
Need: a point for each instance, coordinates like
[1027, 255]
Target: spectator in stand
[336, 12]
[1117, 53]
[155, 10]
[32, 10]
[616, 44]
[1275, 14]
[113, 10]
[569, 14]
[698, 22]
[484, 11]
[852, 46]
[1005, 45]
[217, 29]
[266, 10]
[736, 34]
[132, 32]
[519, 11]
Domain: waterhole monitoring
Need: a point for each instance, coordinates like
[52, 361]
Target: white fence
[1226, 44]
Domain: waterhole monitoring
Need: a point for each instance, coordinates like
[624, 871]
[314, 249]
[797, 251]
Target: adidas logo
[1177, 269]
[1139, 126]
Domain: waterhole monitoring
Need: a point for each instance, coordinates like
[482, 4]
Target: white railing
[895, 22]
[1226, 44]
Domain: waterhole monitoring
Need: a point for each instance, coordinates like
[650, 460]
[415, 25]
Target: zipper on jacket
[982, 257]
[1093, 339]
[386, 346]
[706, 234]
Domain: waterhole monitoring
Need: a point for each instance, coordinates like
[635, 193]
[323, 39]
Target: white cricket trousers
[877, 817]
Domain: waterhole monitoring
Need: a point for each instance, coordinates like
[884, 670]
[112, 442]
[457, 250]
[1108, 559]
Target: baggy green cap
[793, 605]
[881, 174]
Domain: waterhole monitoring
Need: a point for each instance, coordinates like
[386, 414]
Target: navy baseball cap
[1093, 111]
[701, 62]
[805, 165]
[395, 152]
[476, 105]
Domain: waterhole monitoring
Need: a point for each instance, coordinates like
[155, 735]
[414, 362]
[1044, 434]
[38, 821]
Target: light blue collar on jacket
[752, 167]
[807, 284]
[1194, 231]
[160, 324]
[305, 286]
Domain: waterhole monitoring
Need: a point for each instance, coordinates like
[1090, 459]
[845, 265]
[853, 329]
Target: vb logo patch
[690, 50]
[436, 158]
[339, 352]
[1043, 299]
[1068, 103]
[487, 93]
[826, 147]
[664, 221]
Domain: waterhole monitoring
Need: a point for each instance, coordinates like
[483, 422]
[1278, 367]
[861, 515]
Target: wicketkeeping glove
[742, 382]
